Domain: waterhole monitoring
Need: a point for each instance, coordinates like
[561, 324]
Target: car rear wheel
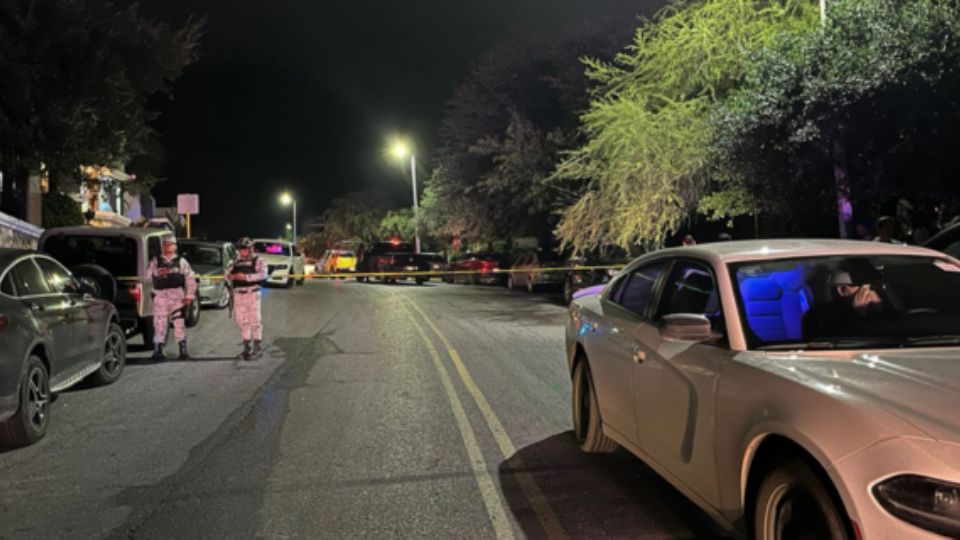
[792, 503]
[586, 413]
[114, 357]
[30, 422]
[146, 329]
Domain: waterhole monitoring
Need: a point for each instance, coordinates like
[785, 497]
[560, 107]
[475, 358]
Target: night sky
[302, 95]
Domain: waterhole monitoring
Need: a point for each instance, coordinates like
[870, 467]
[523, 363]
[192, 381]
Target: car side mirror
[686, 327]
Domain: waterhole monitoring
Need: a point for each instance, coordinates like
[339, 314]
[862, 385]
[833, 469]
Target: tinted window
[57, 276]
[637, 289]
[690, 289]
[202, 254]
[27, 279]
[116, 254]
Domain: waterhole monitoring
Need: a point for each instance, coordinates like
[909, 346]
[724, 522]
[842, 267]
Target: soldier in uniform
[174, 288]
[246, 276]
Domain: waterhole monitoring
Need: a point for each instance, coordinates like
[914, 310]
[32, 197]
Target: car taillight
[136, 292]
[4, 323]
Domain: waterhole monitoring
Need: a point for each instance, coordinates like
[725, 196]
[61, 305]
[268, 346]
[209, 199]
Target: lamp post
[287, 200]
[401, 150]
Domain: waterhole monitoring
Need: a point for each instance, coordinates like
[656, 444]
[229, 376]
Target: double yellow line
[491, 499]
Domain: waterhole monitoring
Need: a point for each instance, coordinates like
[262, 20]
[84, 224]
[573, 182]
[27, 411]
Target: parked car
[209, 261]
[285, 262]
[53, 334]
[433, 262]
[115, 260]
[588, 272]
[378, 257]
[476, 268]
[784, 385]
[339, 261]
[532, 270]
[401, 263]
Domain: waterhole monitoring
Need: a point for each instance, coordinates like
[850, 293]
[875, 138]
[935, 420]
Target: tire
[510, 284]
[146, 329]
[567, 292]
[192, 316]
[105, 284]
[300, 282]
[288, 284]
[114, 357]
[224, 299]
[420, 281]
[531, 286]
[793, 490]
[29, 424]
[587, 426]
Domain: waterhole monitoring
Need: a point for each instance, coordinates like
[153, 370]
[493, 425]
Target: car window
[690, 288]
[637, 289]
[116, 254]
[6, 286]
[58, 278]
[28, 280]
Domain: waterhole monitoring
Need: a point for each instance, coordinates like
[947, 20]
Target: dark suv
[116, 260]
[382, 257]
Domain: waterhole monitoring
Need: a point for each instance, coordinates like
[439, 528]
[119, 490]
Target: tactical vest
[168, 275]
[246, 267]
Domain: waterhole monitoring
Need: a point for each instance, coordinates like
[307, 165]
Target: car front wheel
[792, 503]
[192, 317]
[30, 422]
[586, 413]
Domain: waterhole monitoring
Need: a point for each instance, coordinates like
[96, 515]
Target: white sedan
[790, 388]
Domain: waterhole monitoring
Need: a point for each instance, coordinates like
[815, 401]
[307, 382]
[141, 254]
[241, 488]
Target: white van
[285, 263]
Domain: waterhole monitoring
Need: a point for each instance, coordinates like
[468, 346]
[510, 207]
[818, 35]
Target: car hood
[275, 259]
[921, 387]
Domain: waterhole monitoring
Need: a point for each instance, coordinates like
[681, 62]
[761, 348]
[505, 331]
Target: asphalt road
[380, 411]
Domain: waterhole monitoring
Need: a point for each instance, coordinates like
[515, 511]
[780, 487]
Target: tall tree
[76, 76]
[879, 81]
[648, 125]
[355, 216]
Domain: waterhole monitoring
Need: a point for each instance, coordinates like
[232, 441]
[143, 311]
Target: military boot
[184, 355]
[256, 348]
[158, 352]
[245, 354]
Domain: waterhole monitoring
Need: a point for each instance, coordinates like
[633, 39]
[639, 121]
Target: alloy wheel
[113, 353]
[38, 398]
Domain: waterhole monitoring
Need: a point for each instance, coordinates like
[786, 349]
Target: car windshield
[116, 254]
[849, 302]
[271, 248]
[204, 254]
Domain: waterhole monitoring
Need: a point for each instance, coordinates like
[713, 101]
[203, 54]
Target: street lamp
[400, 150]
[287, 199]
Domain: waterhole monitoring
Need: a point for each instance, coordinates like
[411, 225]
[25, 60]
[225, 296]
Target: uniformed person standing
[174, 288]
[246, 276]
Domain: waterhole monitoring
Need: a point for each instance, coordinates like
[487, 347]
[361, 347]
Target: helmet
[169, 240]
[244, 243]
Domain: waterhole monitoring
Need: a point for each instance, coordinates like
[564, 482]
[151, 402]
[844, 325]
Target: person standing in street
[174, 288]
[246, 276]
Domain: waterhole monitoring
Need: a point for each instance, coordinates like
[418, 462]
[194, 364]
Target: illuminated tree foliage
[879, 82]
[645, 162]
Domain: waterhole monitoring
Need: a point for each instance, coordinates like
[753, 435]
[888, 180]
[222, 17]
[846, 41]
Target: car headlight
[930, 504]
[411, 269]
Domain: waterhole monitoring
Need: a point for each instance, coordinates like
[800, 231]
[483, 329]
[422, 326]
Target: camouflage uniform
[173, 282]
[246, 300]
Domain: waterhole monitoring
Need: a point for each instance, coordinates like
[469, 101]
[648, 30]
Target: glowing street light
[400, 150]
[287, 199]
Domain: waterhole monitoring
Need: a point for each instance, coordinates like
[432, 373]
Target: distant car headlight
[930, 504]
[411, 269]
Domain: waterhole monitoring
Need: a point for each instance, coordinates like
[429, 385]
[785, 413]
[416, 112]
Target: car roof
[106, 231]
[759, 250]
[196, 241]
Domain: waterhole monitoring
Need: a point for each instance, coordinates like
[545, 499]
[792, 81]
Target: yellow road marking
[531, 490]
[488, 490]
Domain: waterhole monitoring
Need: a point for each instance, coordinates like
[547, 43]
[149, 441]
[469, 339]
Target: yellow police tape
[431, 273]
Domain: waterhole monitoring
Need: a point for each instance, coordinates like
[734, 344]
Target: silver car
[52, 336]
[209, 261]
[790, 388]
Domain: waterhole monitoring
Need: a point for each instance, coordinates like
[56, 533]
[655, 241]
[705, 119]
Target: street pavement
[382, 411]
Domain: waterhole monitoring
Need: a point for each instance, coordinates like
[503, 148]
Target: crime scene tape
[414, 273]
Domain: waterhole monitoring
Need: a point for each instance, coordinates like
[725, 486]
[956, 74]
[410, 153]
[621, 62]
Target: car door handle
[639, 356]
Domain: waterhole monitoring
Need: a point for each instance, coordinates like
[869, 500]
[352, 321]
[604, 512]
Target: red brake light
[4, 323]
[136, 292]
